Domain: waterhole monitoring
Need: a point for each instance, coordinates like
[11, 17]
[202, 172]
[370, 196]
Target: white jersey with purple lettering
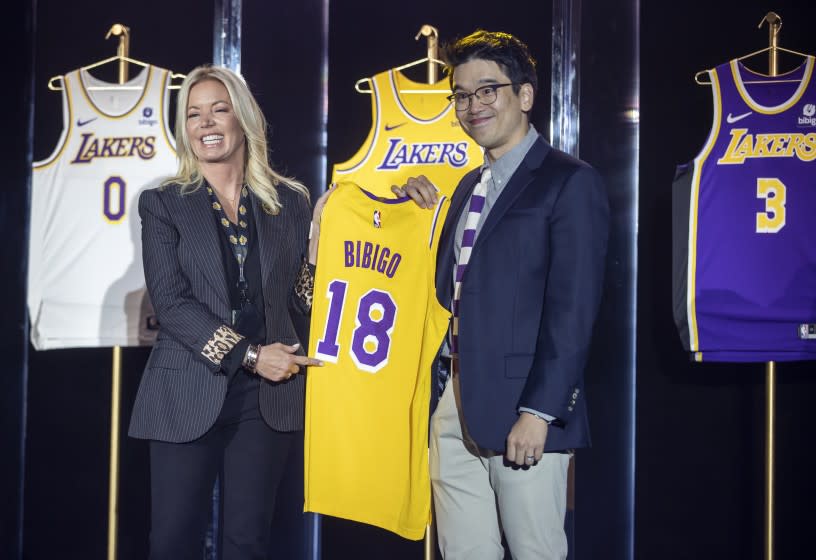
[377, 326]
[85, 283]
[414, 131]
[744, 259]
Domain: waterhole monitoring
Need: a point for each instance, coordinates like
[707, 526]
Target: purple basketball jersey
[744, 217]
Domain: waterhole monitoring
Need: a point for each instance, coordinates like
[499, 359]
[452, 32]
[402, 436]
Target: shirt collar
[503, 168]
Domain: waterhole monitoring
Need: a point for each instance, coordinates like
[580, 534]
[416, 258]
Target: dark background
[699, 427]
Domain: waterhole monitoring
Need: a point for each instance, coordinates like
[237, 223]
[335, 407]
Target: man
[520, 262]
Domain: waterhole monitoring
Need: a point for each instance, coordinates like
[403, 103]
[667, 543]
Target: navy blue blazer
[182, 389]
[529, 297]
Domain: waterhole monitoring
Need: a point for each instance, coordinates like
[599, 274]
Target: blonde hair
[259, 176]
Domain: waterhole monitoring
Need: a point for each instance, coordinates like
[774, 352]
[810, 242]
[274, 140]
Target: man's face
[501, 125]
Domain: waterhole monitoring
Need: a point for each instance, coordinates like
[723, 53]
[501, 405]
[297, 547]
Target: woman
[223, 247]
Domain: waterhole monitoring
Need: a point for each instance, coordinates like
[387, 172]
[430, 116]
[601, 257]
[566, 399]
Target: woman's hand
[317, 213]
[278, 362]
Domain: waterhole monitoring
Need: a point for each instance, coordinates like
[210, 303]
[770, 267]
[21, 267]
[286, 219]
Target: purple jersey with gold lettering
[744, 209]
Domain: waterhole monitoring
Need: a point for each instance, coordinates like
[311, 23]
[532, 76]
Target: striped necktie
[477, 202]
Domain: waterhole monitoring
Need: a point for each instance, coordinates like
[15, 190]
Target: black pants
[250, 457]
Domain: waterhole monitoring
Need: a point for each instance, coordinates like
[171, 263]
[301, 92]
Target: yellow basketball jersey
[413, 133]
[376, 324]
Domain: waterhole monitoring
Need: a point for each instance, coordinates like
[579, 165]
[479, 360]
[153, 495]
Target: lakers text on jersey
[376, 325]
[86, 283]
[414, 132]
[744, 257]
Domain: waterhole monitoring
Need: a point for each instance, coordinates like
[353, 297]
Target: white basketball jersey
[85, 281]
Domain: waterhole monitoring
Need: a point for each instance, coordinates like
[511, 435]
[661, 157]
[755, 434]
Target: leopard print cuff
[222, 341]
[304, 287]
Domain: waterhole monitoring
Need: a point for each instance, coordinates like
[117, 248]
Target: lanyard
[238, 235]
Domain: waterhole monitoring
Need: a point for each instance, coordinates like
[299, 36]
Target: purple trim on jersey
[435, 220]
[372, 196]
[395, 91]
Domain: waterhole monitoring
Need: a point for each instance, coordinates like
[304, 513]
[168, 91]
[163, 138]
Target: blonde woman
[227, 264]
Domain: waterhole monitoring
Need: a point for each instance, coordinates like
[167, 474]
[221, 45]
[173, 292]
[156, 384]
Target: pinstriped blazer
[183, 388]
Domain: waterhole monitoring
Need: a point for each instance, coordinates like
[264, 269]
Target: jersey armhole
[165, 111]
[716, 121]
[437, 221]
[364, 151]
[67, 117]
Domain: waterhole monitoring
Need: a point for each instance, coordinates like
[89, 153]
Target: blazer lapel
[523, 176]
[197, 227]
[267, 228]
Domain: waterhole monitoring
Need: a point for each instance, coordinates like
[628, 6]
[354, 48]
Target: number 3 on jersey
[772, 220]
[373, 326]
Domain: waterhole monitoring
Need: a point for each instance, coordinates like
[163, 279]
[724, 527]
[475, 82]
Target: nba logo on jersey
[377, 219]
[744, 259]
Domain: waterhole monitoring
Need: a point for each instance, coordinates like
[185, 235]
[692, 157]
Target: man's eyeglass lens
[485, 94]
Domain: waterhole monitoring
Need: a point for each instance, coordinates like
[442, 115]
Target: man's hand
[525, 443]
[278, 362]
[420, 189]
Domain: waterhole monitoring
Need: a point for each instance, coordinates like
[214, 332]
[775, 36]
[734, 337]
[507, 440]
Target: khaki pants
[477, 497]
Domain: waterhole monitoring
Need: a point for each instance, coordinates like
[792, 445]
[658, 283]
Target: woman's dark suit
[183, 406]
[182, 387]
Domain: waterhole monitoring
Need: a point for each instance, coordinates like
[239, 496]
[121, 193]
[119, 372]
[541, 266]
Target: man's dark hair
[504, 49]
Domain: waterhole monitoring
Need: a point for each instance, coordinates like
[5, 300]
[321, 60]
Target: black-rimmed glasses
[485, 94]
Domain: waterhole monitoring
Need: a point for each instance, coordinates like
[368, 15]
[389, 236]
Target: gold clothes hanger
[363, 85]
[775, 23]
[56, 83]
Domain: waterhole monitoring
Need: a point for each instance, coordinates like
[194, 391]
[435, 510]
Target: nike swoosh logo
[83, 123]
[731, 119]
[389, 127]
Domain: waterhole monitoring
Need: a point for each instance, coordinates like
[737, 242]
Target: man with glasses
[520, 264]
